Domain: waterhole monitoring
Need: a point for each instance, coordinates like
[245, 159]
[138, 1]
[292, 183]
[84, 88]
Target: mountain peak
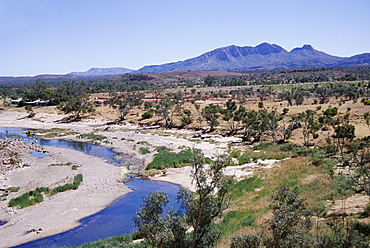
[267, 48]
[307, 46]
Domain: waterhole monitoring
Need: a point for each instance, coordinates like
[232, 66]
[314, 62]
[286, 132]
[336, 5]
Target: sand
[102, 183]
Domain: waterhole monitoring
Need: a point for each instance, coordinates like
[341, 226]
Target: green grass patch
[246, 185]
[13, 189]
[28, 199]
[142, 143]
[167, 159]
[123, 240]
[51, 133]
[144, 150]
[234, 220]
[35, 196]
[66, 164]
[92, 136]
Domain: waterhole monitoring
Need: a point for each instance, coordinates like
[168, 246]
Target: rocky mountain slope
[264, 56]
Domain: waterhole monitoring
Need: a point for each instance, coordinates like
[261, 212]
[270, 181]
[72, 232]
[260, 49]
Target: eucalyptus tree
[199, 209]
[77, 107]
[211, 113]
[74, 100]
[124, 101]
[167, 109]
[309, 125]
[233, 115]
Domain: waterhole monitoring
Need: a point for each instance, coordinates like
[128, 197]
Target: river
[112, 221]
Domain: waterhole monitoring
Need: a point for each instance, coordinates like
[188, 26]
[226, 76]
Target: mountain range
[231, 58]
[264, 56]
[102, 71]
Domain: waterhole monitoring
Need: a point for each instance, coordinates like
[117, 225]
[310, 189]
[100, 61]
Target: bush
[247, 241]
[166, 159]
[144, 150]
[147, 115]
[27, 199]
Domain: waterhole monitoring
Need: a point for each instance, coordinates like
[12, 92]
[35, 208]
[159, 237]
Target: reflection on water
[87, 148]
[112, 221]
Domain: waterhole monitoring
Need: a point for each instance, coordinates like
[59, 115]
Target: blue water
[112, 221]
[86, 147]
[3, 223]
[39, 154]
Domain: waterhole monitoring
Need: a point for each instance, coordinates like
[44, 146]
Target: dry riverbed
[102, 182]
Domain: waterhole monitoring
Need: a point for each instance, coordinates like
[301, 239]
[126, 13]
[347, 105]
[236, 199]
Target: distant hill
[102, 71]
[93, 74]
[233, 58]
[264, 56]
[360, 59]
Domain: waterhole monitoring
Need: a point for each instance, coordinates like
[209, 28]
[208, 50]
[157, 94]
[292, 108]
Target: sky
[62, 36]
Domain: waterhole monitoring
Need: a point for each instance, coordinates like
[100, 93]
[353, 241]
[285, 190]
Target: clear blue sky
[61, 36]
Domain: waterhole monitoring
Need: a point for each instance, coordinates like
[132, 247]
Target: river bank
[102, 183]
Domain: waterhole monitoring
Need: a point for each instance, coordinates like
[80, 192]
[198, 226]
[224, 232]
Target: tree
[76, 106]
[323, 93]
[290, 223]
[210, 80]
[160, 231]
[167, 109]
[233, 115]
[263, 93]
[289, 226]
[199, 209]
[211, 114]
[344, 133]
[309, 125]
[125, 101]
[244, 93]
[367, 119]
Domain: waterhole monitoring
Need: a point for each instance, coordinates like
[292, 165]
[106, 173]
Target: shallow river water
[112, 221]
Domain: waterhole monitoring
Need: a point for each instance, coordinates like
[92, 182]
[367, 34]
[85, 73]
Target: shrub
[165, 158]
[144, 150]
[246, 241]
[147, 115]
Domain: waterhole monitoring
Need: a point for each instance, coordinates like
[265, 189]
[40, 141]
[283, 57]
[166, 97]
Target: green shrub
[287, 147]
[142, 143]
[246, 185]
[263, 146]
[166, 159]
[144, 150]
[235, 154]
[147, 115]
[91, 136]
[243, 159]
[163, 149]
[246, 241]
[26, 200]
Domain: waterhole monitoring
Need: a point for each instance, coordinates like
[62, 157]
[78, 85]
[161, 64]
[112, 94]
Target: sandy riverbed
[101, 184]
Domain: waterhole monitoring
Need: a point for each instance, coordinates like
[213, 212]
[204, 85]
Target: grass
[165, 158]
[51, 133]
[123, 240]
[143, 143]
[92, 136]
[66, 164]
[35, 196]
[144, 150]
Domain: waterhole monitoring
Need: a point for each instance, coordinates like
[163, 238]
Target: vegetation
[35, 196]
[199, 209]
[166, 158]
[277, 112]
